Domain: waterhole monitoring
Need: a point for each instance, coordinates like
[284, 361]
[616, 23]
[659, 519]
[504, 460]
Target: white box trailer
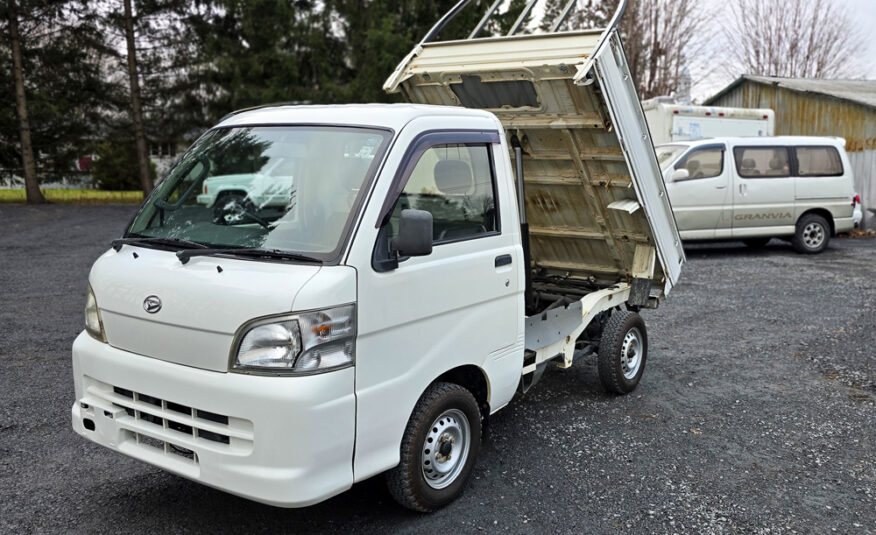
[678, 122]
[412, 283]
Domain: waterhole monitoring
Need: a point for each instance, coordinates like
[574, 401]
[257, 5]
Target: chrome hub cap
[446, 449]
[631, 353]
[813, 235]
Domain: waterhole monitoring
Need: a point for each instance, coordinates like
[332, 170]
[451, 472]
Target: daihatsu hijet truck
[411, 283]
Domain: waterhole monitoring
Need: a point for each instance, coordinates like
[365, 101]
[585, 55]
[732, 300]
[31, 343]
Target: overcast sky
[863, 14]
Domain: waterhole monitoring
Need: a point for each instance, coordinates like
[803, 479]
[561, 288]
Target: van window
[762, 162]
[703, 163]
[667, 153]
[455, 184]
[819, 161]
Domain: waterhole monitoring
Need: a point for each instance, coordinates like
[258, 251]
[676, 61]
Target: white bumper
[844, 224]
[284, 441]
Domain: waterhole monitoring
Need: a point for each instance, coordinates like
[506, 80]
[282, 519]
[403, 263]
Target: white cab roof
[394, 116]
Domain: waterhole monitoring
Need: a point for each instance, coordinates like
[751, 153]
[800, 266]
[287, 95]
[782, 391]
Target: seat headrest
[776, 164]
[692, 166]
[749, 163]
[453, 177]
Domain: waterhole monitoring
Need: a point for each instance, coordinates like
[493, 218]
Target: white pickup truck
[433, 259]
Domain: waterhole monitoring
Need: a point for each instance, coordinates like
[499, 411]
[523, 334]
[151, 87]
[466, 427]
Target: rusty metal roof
[858, 91]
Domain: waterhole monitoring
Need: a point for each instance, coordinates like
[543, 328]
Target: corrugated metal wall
[807, 114]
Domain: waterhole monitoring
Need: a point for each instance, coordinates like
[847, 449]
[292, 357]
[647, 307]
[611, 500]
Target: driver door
[702, 202]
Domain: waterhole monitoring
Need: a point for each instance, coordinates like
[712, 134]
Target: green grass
[76, 196]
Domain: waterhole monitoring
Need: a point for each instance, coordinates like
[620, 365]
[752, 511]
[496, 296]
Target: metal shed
[810, 107]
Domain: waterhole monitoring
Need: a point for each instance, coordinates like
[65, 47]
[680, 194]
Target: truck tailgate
[593, 190]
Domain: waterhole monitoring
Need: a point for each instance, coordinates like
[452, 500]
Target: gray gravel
[756, 413]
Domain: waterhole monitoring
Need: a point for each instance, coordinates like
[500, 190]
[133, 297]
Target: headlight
[308, 342]
[93, 324]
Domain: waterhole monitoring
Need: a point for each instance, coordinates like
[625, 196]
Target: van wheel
[756, 243]
[438, 449]
[813, 234]
[623, 350]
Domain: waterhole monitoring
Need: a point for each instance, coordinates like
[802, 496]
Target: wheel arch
[472, 378]
[823, 212]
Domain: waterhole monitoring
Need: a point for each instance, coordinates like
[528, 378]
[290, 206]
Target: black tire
[615, 372]
[756, 243]
[407, 482]
[222, 204]
[812, 234]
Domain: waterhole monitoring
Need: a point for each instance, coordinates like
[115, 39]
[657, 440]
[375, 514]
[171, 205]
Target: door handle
[503, 260]
[721, 187]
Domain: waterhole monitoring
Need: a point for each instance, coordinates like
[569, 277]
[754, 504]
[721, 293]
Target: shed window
[819, 161]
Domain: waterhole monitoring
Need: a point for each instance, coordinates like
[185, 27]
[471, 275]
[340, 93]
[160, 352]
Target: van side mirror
[679, 175]
[414, 234]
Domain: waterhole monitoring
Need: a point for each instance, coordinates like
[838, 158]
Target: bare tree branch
[791, 38]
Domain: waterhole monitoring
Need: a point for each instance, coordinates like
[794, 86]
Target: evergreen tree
[60, 84]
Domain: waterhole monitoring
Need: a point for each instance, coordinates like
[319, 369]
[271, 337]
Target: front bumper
[284, 441]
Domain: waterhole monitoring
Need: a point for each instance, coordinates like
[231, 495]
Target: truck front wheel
[438, 449]
[623, 350]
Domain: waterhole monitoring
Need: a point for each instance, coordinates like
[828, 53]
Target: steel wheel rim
[632, 350]
[445, 449]
[813, 235]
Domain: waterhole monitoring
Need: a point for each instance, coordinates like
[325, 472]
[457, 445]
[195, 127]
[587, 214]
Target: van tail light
[205, 189]
[856, 200]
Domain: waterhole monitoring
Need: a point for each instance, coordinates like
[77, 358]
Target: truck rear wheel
[623, 350]
[438, 449]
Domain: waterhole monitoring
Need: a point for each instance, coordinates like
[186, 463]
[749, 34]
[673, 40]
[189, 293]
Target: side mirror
[679, 175]
[414, 234]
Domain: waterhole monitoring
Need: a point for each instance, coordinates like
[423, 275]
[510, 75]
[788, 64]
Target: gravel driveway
[756, 413]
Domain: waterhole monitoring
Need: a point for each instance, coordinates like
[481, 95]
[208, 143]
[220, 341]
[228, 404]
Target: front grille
[176, 425]
[168, 448]
[179, 418]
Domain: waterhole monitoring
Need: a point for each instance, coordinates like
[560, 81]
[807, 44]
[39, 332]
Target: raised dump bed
[595, 203]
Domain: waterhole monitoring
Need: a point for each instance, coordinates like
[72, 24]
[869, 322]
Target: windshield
[666, 154]
[286, 188]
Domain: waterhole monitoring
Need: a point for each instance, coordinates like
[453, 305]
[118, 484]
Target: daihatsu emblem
[152, 304]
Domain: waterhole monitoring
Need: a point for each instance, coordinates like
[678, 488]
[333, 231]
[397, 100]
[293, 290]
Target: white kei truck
[431, 261]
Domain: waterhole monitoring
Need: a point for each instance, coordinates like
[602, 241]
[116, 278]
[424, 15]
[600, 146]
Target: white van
[754, 189]
[412, 283]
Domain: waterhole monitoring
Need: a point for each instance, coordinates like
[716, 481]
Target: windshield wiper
[185, 255]
[175, 242]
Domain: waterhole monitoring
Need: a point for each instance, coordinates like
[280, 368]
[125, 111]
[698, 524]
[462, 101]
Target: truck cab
[412, 281]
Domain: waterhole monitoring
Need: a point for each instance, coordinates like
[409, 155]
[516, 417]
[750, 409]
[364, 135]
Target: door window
[819, 161]
[762, 162]
[454, 183]
[703, 163]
